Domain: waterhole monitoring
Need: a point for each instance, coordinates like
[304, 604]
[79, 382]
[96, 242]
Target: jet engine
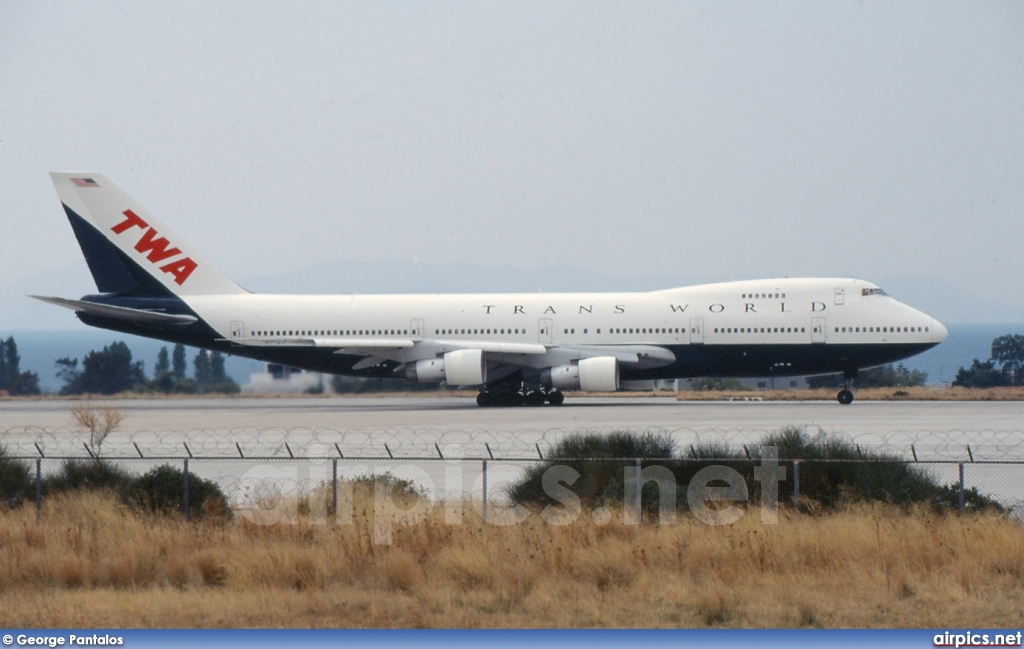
[462, 367]
[599, 374]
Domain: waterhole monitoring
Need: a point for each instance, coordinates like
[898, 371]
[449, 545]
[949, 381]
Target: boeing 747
[519, 348]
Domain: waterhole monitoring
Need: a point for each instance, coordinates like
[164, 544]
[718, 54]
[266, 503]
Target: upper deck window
[872, 291]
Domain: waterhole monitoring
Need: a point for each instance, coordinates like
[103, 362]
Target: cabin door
[817, 330]
[696, 331]
[544, 331]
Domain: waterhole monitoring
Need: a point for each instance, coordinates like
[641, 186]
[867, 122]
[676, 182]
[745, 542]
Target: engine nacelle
[462, 367]
[426, 371]
[465, 367]
[599, 374]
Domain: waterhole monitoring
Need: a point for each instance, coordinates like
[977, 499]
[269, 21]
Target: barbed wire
[520, 444]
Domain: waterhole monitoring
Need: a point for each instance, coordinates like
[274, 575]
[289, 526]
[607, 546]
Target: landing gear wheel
[556, 398]
[535, 399]
[483, 399]
[845, 397]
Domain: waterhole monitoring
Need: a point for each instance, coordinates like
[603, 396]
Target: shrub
[16, 480]
[162, 491]
[87, 474]
[833, 471]
[599, 481]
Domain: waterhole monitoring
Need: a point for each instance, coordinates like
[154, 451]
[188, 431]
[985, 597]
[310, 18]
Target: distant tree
[980, 375]
[103, 372]
[165, 382]
[1009, 350]
[6, 371]
[179, 364]
[210, 375]
[163, 363]
[24, 383]
[202, 371]
[12, 379]
[217, 373]
[67, 371]
[163, 377]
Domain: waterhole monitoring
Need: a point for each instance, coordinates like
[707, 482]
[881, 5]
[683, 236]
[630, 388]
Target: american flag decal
[85, 182]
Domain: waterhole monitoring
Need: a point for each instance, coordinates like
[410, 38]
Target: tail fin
[128, 250]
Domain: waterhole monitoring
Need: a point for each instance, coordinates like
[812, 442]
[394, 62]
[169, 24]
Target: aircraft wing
[404, 350]
[371, 346]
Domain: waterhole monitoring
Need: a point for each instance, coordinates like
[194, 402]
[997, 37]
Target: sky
[725, 140]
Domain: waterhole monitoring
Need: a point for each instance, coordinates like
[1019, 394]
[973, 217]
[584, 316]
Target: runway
[396, 434]
[462, 414]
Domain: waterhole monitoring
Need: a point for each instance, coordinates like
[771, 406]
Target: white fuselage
[778, 313]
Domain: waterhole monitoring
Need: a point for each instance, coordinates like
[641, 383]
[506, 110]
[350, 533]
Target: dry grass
[92, 563]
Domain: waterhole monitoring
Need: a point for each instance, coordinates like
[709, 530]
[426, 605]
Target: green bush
[599, 481]
[86, 474]
[16, 479]
[162, 491]
[833, 471]
[159, 491]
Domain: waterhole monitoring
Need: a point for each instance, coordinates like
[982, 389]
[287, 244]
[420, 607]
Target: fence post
[485, 492]
[796, 485]
[962, 503]
[185, 497]
[639, 499]
[334, 490]
[39, 487]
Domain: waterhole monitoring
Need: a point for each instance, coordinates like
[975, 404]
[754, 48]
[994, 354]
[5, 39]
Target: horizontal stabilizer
[118, 312]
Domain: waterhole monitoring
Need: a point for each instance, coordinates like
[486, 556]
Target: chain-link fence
[281, 471]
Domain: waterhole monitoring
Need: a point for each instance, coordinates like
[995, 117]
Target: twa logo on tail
[156, 248]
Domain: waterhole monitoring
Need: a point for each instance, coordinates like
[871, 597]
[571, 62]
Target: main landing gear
[845, 396]
[533, 398]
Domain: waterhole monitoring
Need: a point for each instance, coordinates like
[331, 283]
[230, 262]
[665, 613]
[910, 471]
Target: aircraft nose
[939, 331]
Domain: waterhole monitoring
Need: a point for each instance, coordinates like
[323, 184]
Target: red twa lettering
[181, 269]
[132, 220]
[157, 248]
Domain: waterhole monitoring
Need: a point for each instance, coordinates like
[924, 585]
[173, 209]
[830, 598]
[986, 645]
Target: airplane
[518, 349]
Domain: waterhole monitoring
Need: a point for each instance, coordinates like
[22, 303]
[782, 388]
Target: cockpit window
[873, 291]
